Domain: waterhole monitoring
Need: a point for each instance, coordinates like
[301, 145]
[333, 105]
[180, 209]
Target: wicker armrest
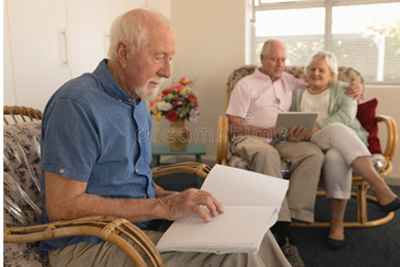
[223, 140]
[195, 168]
[21, 114]
[105, 227]
[392, 135]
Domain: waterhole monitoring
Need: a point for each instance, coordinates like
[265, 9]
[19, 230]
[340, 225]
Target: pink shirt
[259, 100]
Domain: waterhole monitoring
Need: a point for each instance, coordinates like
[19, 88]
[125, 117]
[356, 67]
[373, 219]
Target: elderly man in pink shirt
[253, 108]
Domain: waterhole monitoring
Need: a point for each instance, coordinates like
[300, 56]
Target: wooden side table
[163, 150]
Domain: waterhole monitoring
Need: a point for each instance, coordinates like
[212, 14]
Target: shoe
[392, 206]
[292, 254]
[335, 244]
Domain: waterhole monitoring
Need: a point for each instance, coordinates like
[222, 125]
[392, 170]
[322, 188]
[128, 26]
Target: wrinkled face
[147, 67]
[318, 74]
[274, 64]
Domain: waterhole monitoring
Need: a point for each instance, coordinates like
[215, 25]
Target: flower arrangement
[176, 102]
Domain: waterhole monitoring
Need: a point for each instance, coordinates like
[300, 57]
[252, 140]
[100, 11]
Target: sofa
[382, 158]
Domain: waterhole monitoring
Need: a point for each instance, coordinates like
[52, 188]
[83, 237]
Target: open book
[251, 204]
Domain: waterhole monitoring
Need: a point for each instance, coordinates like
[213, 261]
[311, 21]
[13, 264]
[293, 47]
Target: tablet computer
[287, 120]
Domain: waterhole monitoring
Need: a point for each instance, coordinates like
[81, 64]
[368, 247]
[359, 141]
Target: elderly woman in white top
[340, 135]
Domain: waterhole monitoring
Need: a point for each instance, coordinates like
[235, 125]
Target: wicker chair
[20, 114]
[349, 75]
[22, 201]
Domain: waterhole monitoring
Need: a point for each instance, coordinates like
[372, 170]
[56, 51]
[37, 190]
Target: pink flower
[178, 87]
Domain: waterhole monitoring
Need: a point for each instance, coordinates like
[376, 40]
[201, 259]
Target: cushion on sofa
[366, 115]
[21, 187]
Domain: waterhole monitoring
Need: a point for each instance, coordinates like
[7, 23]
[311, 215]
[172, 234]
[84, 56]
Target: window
[362, 34]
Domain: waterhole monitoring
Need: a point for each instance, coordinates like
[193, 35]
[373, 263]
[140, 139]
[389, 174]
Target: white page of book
[238, 229]
[251, 202]
[236, 187]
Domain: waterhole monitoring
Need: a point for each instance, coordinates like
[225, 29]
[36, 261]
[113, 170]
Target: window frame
[296, 4]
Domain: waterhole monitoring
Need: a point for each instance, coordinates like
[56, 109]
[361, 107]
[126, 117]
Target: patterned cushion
[238, 74]
[297, 71]
[22, 171]
[22, 201]
[350, 75]
[241, 72]
[15, 257]
[238, 162]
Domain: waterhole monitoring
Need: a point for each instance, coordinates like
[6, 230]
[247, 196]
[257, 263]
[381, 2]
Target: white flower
[194, 115]
[169, 96]
[164, 106]
[154, 109]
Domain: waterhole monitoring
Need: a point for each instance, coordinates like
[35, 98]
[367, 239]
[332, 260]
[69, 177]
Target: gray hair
[131, 27]
[267, 46]
[330, 60]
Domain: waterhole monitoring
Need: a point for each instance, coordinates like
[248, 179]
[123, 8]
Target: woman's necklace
[317, 91]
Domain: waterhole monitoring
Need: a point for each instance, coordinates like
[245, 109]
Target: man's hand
[297, 134]
[354, 91]
[189, 201]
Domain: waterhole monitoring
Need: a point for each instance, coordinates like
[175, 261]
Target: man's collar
[262, 75]
[265, 77]
[110, 85]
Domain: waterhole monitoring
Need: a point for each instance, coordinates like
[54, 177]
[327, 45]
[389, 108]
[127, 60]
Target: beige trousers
[107, 255]
[306, 160]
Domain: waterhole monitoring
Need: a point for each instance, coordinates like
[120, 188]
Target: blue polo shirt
[92, 132]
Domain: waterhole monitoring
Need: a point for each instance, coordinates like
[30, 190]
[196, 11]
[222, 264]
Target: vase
[179, 135]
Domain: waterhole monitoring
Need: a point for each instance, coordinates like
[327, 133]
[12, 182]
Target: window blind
[362, 34]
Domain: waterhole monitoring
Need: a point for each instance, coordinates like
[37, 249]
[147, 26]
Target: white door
[39, 39]
[88, 22]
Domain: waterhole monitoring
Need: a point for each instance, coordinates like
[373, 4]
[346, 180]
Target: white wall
[211, 43]
[207, 53]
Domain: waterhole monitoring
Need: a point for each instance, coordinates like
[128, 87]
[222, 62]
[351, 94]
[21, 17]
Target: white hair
[267, 47]
[146, 92]
[330, 60]
[131, 27]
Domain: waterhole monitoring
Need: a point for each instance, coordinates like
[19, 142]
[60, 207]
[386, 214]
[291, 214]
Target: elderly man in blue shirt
[96, 153]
